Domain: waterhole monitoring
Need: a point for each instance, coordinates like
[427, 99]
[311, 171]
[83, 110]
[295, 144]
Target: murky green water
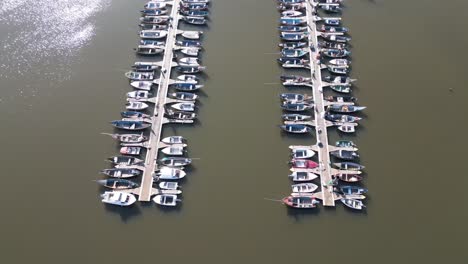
[406, 55]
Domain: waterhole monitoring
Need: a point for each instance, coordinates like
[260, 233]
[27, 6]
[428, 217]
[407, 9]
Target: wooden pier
[146, 189]
[326, 195]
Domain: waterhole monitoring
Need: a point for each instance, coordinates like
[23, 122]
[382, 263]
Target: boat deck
[323, 151]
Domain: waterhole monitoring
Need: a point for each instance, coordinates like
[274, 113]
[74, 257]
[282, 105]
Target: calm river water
[61, 79]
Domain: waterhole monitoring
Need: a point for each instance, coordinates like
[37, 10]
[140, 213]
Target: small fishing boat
[292, 29]
[336, 38]
[292, 6]
[169, 185]
[353, 204]
[304, 187]
[298, 153]
[153, 34]
[125, 160]
[118, 184]
[353, 196]
[332, 45]
[149, 50]
[340, 99]
[335, 53]
[173, 140]
[153, 12]
[196, 1]
[139, 95]
[346, 177]
[344, 70]
[130, 150]
[166, 199]
[154, 5]
[190, 69]
[296, 117]
[296, 83]
[292, 45]
[296, 78]
[347, 128]
[333, 8]
[166, 173]
[295, 63]
[142, 68]
[153, 27]
[291, 13]
[187, 87]
[192, 34]
[190, 51]
[135, 105]
[194, 20]
[303, 164]
[174, 150]
[175, 162]
[349, 166]
[330, 1]
[188, 43]
[301, 202]
[348, 190]
[139, 76]
[118, 198]
[154, 19]
[293, 36]
[129, 138]
[331, 29]
[332, 21]
[293, 21]
[338, 79]
[345, 144]
[345, 154]
[345, 108]
[296, 107]
[133, 114]
[183, 96]
[180, 115]
[152, 42]
[189, 61]
[194, 6]
[341, 88]
[296, 129]
[130, 125]
[342, 118]
[294, 53]
[303, 176]
[190, 107]
[188, 78]
[291, 1]
[340, 62]
[121, 173]
[195, 13]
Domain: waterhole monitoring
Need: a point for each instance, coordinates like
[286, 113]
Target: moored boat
[135, 105]
[296, 107]
[125, 160]
[304, 187]
[345, 108]
[296, 129]
[129, 138]
[175, 162]
[130, 150]
[118, 198]
[183, 96]
[139, 76]
[166, 199]
[303, 164]
[168, 173]
[118, 184]
[173, 140]
[301, 202]
[173, 150]
[353, 204]
[130, 125]
[303, 176]
[142, 85]
[345, 154]
[348, 189]
[169, 185]
[296, 117]
[345, 144]
[299, 153]
[121, 172]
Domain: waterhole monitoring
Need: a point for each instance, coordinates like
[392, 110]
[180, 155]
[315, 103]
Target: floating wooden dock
[325, 171]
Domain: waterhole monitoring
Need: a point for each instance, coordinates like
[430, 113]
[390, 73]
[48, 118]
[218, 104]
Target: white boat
[166, 199]
[291, 13]
[173, 150]
[138, 94]
[142, 85]
[353, 204]
[190, 51]
[167, 173]
[340, 62]
[190, 107]
[348, 128]
[154, 4]
[153, 34]
[134, 105]
[189, 61]
[118, 198]
[192, 34]
[169, 185]
[173, 140]
[304, 187]
[304, 153]
[301, 176]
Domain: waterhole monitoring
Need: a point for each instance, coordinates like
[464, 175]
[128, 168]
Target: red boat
[303, 164]
[303, 202]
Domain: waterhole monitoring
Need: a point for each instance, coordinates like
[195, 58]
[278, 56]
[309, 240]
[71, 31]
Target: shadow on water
[125, 213]
[299, 214]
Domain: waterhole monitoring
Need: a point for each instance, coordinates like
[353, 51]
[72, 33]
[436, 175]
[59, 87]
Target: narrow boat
[169, 185]
[125, 160]
[291, 1]
[304, 187]
[173, 140]
[153, 34]
[296, 78]
[180, 115]
[296, 83]
[139, 76]
[138, 95]
[121, 173]
[292, 29]
[301, 202]
[303, 176]
[293, 36]
[152, 42]
[345, 154]
[118, 198]
[343, 70]
[331, 29]
[153, 12]
[153, 27]
[190, 69]
[166, 173]
[154, 19]
[295, 63]
[302, 153]
[154, 5]
[130, 125]
[349, 166]
[135, 105]
[166, 199]
[190, 107]
[130, 150]
[332, 22]
[296, 129]
[296, 117]
[149, 50]
[194, 20]
[189, 61]
[330, 1]
[303, 164]
[195, 13]
[129, 138]
[348, 190]
[188, 43]
[347, 128]
[336, 38]
[332, 45]
[188, 87]
[196, 1]
[194, 6]
[291, 13]
[175, 162]
[142, 68]
[331, 8]
[335, 53]
[353, 204]
[293, 6]
[341, 88]
[188, 78]
[293, 21]
[292, 45]
[192, 34]
[341, 118]
[345, 108]
[345, 144]
[294, 53]
[173, 150]
[190, 51]
[338, 79]
[133, 114]
[340, 99]
[340, 62]
[183, 96]
[118, 184]
[346, 177]
[296, 107]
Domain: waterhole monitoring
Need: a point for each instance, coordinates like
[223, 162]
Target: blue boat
[130, 125]
[348, 189]
[296, 129]
[134, 114]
